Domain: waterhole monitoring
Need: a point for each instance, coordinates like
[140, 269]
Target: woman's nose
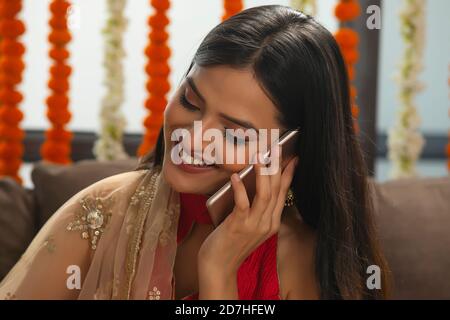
[196, 141]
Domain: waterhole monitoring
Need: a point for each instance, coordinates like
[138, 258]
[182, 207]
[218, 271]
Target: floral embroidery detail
[49, 243]
[169, 224]
[10, 296]
[139, 194]
[92, 220]
[154, 294]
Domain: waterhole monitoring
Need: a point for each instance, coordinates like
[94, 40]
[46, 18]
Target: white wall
[190, 22]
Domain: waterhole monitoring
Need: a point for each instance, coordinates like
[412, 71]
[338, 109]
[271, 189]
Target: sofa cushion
[17, 222]
[413, 216]
[54, 184]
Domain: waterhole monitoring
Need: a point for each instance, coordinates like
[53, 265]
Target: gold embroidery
[169, 224]
[137, 229]
[93, 219]
[154, 294]
[49, 243]
[140, 193]
[10, 296]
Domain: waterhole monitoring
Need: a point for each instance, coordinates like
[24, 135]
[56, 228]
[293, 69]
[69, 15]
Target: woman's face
[221, 98]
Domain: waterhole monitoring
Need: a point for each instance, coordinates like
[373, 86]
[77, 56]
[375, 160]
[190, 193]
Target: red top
[257, 277]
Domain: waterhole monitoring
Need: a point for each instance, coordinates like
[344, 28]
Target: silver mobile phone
[221, 203]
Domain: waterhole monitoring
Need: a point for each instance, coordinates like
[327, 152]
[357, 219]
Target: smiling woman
[273, 67]
[308, 231]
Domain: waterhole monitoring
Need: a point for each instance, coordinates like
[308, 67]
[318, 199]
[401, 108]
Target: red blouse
[257, 277]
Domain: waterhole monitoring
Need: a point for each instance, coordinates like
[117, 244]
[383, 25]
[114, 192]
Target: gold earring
[289, 202]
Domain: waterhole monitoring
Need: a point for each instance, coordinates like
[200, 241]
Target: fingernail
[235, 177]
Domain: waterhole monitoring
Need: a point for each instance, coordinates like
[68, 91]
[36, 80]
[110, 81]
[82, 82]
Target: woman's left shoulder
[296, 257]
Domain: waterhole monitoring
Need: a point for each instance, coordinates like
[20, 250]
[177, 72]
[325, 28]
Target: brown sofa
[413, 217]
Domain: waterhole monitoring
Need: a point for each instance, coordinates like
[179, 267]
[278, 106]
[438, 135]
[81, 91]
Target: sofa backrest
[413, 217]
[17, 222]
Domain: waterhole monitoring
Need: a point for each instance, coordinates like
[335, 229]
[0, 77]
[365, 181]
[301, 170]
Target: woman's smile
[193, 164]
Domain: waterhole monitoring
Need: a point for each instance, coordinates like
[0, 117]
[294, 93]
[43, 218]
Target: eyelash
[185, 103]
[233, 139]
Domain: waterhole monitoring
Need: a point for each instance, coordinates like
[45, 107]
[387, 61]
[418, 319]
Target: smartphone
[221, 203]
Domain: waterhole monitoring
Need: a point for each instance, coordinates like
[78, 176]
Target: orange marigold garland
[11, 68]
[348, 40]
[231, 8]
[56, 147]
[158, 71]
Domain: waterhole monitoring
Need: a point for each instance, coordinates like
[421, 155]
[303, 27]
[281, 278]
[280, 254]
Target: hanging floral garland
[231, 8]
[405, 140]
[305, 6]
[57, 146]
[158, 71]
[11, 68]
[109, 146]
[348, 40]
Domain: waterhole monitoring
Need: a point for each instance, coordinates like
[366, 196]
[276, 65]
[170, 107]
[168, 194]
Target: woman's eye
[234, 139]
[185, 103]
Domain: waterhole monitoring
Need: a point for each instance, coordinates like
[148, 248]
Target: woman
[147, 235]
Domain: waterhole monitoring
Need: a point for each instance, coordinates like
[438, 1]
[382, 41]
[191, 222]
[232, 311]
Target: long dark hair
[299, 65]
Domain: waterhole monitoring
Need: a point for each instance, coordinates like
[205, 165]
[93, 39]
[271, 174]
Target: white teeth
[186, 158]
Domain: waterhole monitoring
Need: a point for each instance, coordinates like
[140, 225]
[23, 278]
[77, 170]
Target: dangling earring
[289, 202]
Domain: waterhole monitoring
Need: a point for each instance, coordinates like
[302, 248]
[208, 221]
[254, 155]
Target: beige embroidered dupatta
[118, 235]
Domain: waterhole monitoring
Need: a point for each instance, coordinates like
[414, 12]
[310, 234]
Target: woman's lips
[194, 164]
[195, 168]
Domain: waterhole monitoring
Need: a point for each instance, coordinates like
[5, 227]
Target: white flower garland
[405, 141]
[305, 6]
[109, 146]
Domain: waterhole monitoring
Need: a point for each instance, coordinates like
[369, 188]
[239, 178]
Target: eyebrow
[241, 123]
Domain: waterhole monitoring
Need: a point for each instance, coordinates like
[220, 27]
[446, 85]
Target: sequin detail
[49, 243]
[92, 219]
[170, 224]
[154, 294]
[139, 194]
